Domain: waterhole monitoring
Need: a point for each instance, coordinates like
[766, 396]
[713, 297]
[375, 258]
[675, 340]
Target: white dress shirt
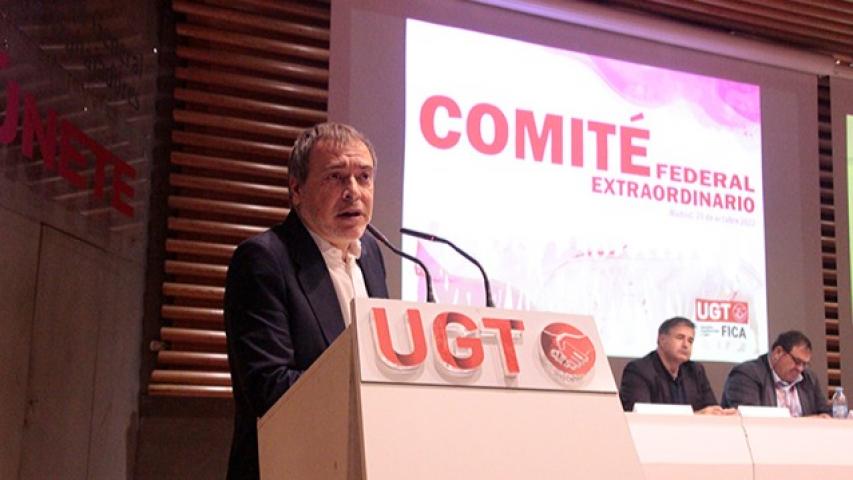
[345, 272]
[787, 395]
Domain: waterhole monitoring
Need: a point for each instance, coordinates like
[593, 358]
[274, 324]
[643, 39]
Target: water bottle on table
[839, 403]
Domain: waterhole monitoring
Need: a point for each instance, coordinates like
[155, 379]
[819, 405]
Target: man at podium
[288, 290]
[667, 375]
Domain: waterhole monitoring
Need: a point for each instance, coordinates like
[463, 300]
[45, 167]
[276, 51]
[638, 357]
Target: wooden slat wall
[824, 26]
[251, 75]
[828, 237]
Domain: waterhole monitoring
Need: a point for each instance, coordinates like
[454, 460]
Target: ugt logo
[730, 311]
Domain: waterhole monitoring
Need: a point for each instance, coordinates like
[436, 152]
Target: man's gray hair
[337, 134]
[673, 322]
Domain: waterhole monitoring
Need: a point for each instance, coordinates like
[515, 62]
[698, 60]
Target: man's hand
[716, 410]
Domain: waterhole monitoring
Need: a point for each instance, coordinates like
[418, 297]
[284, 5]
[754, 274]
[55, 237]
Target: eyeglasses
[798, 361]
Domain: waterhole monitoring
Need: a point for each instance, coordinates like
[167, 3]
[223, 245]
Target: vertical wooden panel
[19, 239]
[64, 346]
[828, 234]
[116, 377]
[182, 445]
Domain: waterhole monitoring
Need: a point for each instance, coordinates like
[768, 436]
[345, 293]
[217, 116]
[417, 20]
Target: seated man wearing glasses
[779, 378]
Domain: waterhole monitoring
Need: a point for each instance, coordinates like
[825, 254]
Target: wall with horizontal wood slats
[251, 75]
[828, 237]
[824, 26]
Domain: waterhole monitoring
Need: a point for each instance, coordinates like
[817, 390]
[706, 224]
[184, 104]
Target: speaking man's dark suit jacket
[646, 380]
[751, 383]
[281, 313]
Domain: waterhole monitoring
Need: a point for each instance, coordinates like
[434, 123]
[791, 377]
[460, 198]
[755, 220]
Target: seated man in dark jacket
[779, 378]
[666, 375]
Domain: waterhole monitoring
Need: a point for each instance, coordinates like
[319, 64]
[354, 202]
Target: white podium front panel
[801, 448]
[695, 447]
[736, 447]
[446, 432]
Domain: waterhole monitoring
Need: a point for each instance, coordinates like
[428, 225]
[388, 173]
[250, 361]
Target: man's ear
[294, 191]
[777, 351]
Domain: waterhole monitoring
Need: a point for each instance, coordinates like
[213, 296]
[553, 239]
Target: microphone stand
[435, 238]
[379, 236]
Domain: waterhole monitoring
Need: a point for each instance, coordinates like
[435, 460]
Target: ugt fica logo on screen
[567, 353]
[729, 311]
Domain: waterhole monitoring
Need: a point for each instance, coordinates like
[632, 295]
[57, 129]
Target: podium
[419, 391]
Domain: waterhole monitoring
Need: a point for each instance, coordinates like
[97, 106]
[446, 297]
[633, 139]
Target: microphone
[379, 236]
[434, 238]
